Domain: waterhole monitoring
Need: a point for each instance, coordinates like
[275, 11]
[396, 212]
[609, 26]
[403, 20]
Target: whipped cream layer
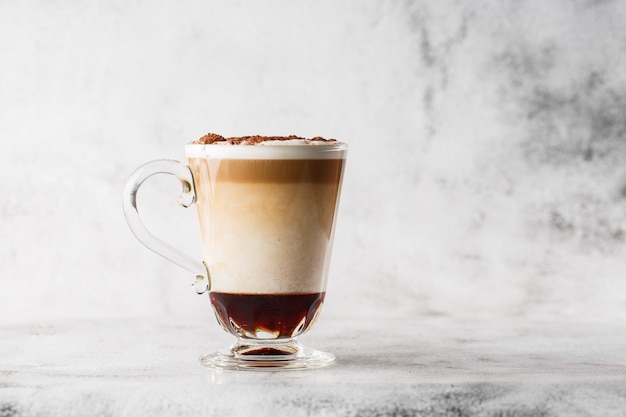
[265, 147]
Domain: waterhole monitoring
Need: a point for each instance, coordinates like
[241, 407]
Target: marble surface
[425, 366]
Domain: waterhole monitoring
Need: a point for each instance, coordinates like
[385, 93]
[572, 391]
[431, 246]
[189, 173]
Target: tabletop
[422, 366]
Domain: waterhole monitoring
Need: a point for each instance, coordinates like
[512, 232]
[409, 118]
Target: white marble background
[487, 170]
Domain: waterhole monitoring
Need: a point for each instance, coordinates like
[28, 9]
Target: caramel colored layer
[325, 171]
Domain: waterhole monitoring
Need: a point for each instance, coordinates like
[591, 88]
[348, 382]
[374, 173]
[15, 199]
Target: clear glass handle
[186, 199]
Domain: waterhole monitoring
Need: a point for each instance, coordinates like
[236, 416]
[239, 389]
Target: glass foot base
[267, 356]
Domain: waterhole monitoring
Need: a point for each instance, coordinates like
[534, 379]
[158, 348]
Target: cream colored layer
[267, 238]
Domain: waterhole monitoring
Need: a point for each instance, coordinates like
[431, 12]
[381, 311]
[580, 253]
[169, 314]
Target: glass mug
[266, 213]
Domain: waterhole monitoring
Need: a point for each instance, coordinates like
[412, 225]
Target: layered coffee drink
[266, 208]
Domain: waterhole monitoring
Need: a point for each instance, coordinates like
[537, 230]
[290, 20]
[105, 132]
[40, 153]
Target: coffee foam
[292, 148]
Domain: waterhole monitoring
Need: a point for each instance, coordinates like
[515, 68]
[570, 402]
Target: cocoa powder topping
[211, 138]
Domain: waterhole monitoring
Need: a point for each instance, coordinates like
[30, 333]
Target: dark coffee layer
[211, 138]
[277, 315]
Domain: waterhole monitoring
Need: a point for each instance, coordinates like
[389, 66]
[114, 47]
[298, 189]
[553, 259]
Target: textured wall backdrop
[486, 176]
